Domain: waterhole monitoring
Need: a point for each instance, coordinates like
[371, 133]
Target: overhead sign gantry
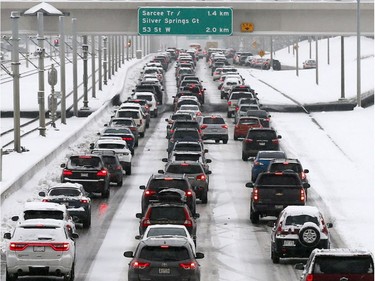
[185, 21]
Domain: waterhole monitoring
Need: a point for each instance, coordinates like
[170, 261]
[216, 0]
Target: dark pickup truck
[273, 191]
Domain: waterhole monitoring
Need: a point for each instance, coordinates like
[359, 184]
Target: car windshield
[343, 265]
[166, 231]
[65, 192]
[300, 220]
[184, 169]
[164, 253]
[169, 213]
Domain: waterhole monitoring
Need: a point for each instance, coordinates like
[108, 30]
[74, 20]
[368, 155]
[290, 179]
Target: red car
[244, 124]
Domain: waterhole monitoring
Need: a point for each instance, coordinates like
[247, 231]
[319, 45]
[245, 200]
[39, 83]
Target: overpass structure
[277, 17]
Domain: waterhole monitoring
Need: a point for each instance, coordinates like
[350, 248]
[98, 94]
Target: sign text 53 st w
[185, 21]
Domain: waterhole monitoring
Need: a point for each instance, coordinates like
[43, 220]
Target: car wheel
[244, 157]
[217, 141]
[120, 182]
[142, 134]
[10, 277]
[155, 113]
[275, 257]
[87, 222]
[136, 143]
[105, 193]
[225, 141]
[309, 236]
[204, 197]
[128, 171]
[228, 114]
[254, 216]
[70, 275]
[235, 137]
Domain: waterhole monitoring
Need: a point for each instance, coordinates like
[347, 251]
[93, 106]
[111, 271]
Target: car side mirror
[105, 125]
[164, 160]
[329, 225]
[15, 218]
[299, 266]
[62, 165]
[42, 194]
[98, 134]
[206, 150]
[306, 185]
[128, 254]
[209, 172]
[138, 215]
[138, 237]
[75, 235]
[249, 185]
[92, 146]
[279, 137]
[306, 171]
[142, 187]
[196, 216]
[252, 159]
[208, 161]
[160, 171]
[199, 255]
[7, 235]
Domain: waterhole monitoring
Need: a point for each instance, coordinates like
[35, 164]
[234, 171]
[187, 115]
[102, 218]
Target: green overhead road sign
[185, 21]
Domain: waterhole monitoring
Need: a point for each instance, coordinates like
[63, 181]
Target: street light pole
[359, 103]
[40, 38]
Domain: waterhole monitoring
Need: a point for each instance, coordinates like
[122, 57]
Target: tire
[87, 222]
[225, 141]
[119, 183]
[244, 157]
[235, 137]
[254, 217]
[228, 114]
[70, 276]
[155, 113]
[217, 141]
[142, 135]
[105, 193]
[275, 257]
[10, 277]
[204, 198]
[128, 171]
[309, 236]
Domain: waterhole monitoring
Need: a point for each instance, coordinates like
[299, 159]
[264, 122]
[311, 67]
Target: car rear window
[257, 113]
[116, 131]
[122, 122]
[181, 117]
[188, 147]
[237, 96]
[289, 180]
[188, 157]
[257, 134]
[184, 169]
[65, 192]
[213, 120]
[343, 265]
[186, 135]
[169, 213]
[186, 125]
[283, 166]
[43, 214]
[109, 160]
[130, 114]
[159, 184]
[249, 121]
[159, 253]
[271, 154]
[82, 161]
[166, 231]
[300, 220]
[111, 146]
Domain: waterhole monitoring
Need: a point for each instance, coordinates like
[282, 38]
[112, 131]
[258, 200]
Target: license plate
[262, 143]
[289, 243]
[38, 248]
[164, 271]
[279, 206]
[84, 175]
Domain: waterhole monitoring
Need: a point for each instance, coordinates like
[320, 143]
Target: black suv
[156, 183]
[169, 213]
[183, 124]
[112, 163]
[158, 258]
[283, 164]
[184, 134]
[259, 139]
[88, 170]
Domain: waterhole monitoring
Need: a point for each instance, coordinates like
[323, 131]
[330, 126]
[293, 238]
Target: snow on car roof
[302, 210]
[44, 206]
[341, 252]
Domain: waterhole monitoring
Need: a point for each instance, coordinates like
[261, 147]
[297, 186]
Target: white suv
[151, 101]
[121, 149]
[137, 115]
[40, 247]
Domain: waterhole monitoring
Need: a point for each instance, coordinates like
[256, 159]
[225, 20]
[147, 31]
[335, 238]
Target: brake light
[249, 140]
[146, 223]
[171, 131]
[224, 126]
[127, 139]
[267, 119]
[201, 177]
[188, 266]
[279, 229]
[119, 167]
[60, 246]
[67, 172]
[19, 246]
[102, 173]
[237, 108]
[45, 200]
[84, 201]
[229, 103]
[204, 127]
[184, 164]
[302, 195]
[189, 193]
[275, 141]
[188, 223]
[310, 277]
[255, 194]
[139, 265]
[150, 192]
